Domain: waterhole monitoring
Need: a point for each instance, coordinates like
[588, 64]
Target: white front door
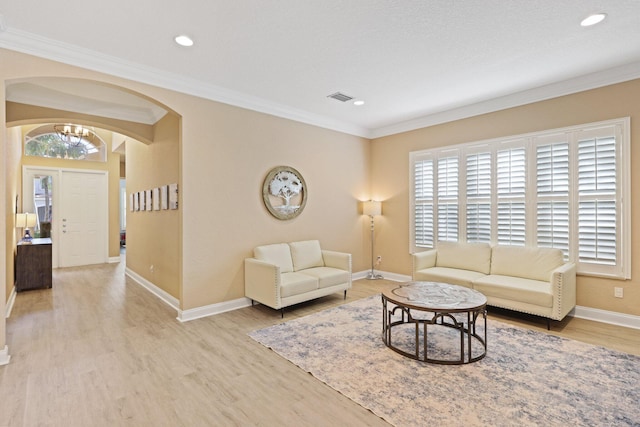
[83, 221]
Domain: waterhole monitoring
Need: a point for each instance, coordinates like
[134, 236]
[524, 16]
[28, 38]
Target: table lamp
[26, 220]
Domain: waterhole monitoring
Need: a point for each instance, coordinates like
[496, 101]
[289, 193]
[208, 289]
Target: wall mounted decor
[143, 200]
[149, 197]
[155, 196]
[164, 197]
[284, 192]
[173, 196]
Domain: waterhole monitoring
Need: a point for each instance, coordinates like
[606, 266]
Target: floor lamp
[372, 209]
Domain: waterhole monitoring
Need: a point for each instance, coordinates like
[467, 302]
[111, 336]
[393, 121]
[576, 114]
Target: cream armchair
[283, 274]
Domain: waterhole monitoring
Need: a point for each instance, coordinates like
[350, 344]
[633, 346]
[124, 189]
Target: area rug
[527, 378]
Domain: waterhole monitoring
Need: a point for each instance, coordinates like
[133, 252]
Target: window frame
[619, 128]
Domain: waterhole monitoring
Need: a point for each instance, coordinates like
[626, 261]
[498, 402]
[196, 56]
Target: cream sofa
[530, 280]
[284, 274]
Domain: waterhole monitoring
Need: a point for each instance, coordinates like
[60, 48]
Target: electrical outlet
[379, 259]
[618, 292]
[151, 268]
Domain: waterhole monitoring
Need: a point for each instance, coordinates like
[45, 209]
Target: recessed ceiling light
[358, 102]
[183, 40]
[593, 19]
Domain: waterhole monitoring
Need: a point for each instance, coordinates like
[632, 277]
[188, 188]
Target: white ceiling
[414, 62]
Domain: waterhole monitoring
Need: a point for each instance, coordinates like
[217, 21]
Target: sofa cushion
[466, 256]
[525, 262]
[278, 254]
[453, 276]
[296, 283]
[306, 254]
[515, 289]
[327, 276]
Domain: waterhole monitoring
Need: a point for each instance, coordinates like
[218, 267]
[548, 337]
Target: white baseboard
[611, 317]
[4, 356]
[10, 302]
[168, 299]
[588, 313]
[213, 309]
[395, 277]
[114, 259]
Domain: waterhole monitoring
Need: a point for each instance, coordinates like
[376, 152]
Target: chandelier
[73, 134]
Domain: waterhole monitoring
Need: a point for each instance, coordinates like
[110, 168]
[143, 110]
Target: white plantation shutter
[552, 178]
[511, 223]
[553, 225]
[597, 232]
[478, 194]
[511, 183]
[566, 188]
[423, 226]
[479, 222]
[597, 217]
[448, 198]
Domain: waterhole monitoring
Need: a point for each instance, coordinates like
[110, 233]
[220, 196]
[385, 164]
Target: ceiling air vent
[340, 97]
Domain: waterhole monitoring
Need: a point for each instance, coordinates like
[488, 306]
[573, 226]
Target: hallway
[101, 350]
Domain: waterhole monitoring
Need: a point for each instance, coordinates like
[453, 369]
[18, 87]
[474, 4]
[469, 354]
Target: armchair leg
[282, 313]
[345, 294]
[548, 324]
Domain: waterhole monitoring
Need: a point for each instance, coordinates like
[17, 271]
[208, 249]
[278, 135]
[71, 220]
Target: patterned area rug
[527, 378]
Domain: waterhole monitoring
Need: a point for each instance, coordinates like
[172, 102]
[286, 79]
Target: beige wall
[14, 184]
[224, 154]
[153, 238]
[390, 174]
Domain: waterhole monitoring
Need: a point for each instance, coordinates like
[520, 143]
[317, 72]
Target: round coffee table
[434, 304]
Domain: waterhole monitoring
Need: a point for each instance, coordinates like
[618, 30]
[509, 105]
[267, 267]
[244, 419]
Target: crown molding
[33, 44]
[567, 87]
[39, 46]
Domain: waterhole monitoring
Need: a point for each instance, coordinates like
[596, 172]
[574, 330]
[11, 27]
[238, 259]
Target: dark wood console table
[33, 265]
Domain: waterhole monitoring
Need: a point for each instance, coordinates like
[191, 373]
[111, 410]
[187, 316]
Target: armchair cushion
[525, 262]
[466, 256]
[278, 254]
[328, 276]
[306, 254]
[297, 283]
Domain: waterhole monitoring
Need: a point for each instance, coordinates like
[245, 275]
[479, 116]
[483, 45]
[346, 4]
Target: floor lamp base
[373, 276]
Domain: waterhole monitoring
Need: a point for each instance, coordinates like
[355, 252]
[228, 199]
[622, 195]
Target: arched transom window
[65, 141]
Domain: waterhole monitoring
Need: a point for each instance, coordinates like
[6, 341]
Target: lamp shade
[25, 220]
[21, 220]
[32, 220]
[372, 208]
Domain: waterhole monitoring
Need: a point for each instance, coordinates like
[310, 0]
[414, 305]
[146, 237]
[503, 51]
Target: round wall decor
[284, 192]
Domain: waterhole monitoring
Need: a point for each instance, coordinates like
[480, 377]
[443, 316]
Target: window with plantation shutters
[423, 226]
[511, 185]
[478, 218]
[447, 198]
[565, 188]
[597, 189]
[552, 186]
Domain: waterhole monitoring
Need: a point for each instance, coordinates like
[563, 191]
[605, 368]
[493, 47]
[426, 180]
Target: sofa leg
[548, 324]
[282, 313]
[345, 294]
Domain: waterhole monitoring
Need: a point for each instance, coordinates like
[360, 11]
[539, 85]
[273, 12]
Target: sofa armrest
[422, 260]
[262, 282]
[563, 282]
[340, 260]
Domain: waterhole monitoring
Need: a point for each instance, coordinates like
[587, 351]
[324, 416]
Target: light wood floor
[99, 350]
